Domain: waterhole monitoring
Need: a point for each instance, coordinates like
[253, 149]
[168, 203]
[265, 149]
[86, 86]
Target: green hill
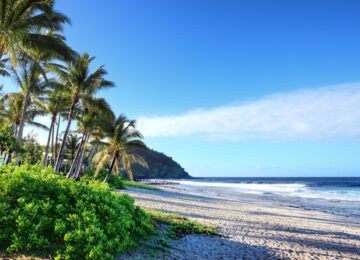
[161, 166]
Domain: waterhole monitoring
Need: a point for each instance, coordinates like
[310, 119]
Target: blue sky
[233, 88]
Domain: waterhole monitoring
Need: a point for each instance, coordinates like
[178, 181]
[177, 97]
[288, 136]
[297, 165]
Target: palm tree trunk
[48, 141]
[79, 164]
[53, 147]
[9, 158]
[110, 169]
[130, 174]
[25, 105]
[16, 130]
[57, 137]
[1, 49]
[60, 156]
[27, 100]
[91, 156]
[74, 162]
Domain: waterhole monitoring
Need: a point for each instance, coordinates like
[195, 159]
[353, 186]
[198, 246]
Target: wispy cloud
[321, 113]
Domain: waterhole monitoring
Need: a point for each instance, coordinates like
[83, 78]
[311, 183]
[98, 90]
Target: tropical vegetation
[57, 198]
[55, 81]
[52, 200]
[124, 139]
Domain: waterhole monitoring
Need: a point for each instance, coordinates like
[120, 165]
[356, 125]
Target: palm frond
[38, 125]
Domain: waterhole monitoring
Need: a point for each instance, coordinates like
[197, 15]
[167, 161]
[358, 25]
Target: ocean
[332, 195]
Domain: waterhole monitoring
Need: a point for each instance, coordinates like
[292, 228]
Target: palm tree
[81, 84]
[13, 111]
[22, 23]
[34, 66]
[95, 111]
[63, 114]
[72, 145]
[123, 140]
[33, 82]
[55, 103]
[97, 135]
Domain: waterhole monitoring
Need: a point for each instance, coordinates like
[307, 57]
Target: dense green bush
[115, 181]
[44, 213]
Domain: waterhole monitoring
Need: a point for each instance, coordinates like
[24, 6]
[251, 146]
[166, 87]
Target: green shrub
[115, 181]
[43, 213]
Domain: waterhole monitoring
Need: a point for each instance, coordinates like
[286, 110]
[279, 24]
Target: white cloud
[302, 115]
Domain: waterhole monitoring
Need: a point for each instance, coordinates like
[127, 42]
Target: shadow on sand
[199, 247]
[203, 247]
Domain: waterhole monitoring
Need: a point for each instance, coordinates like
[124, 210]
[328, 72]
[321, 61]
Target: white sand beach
[253, 231]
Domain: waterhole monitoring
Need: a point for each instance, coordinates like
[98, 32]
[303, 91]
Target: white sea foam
[282, 189]
[257, 188]
[340, 195]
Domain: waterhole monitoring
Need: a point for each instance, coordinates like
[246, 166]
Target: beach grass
[178, 226]
[140, 185]
[171, 227]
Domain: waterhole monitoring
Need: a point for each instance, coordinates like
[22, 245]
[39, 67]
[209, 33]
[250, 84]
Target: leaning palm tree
[95, 111]
[12, 111]
[32, 84]
[124, 139]
[34, 69]
[97, 135]
[21, 26]
[81, 84]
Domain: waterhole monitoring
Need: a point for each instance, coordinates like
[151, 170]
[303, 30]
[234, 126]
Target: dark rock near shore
[159, 182]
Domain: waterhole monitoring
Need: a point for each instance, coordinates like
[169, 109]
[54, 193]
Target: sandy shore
[254, 231]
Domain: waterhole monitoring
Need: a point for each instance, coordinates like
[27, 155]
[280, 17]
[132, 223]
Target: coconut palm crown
[22, 23]
[124, 139]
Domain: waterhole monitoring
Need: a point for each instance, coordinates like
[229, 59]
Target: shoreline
[253, 230]
[342, 207]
